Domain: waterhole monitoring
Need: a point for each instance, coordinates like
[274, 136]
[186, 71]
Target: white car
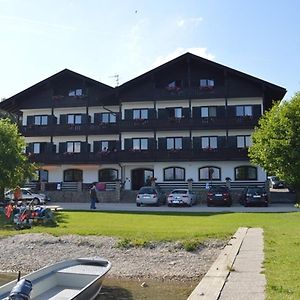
[181, 197]
[28, 195]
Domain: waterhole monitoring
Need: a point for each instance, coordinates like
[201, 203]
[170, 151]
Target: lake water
[132, 289]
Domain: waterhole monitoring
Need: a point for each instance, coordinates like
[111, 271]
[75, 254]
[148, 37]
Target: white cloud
[190, 21]
[202, 52]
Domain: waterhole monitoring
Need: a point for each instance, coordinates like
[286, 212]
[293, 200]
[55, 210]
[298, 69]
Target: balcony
[70, 158]
[69, 129]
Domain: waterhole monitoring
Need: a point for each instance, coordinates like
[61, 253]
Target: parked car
[218, 195]
[276, 183]
[181, 197]
[254, 196]
[150, 195]
[28, 195]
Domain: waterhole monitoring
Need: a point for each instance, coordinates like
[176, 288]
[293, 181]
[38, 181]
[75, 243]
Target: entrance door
[139, 177]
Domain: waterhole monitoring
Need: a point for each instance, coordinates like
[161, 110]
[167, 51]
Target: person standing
[93, 196]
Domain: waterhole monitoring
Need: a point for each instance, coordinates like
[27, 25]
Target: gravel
[163, 260]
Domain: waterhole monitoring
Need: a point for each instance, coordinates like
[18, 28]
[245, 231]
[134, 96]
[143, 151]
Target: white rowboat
[77, 279]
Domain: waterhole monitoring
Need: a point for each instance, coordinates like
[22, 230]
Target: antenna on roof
[117, 78]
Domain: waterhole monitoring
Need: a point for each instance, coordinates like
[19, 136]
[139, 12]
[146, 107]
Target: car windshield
[179, 192]
[147, 190]
[218, 189]
[255, 191]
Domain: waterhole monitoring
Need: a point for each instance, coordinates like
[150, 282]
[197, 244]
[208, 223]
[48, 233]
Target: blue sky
[100, 38]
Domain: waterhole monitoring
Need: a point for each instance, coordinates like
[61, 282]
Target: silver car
[29, 196]
[181, 197]
[150, 195]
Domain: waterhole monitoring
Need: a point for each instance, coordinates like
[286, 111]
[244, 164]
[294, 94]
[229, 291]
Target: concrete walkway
[238, 271]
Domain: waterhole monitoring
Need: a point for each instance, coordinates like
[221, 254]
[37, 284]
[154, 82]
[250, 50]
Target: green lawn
[282, 236]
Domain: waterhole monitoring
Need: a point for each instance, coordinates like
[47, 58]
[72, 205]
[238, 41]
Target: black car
[254, 196]
[218, 195]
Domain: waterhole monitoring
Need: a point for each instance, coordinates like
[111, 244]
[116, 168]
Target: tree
[14, 165]
[276, 142]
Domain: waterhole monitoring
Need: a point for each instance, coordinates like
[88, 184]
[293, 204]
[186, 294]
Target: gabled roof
[9, 102]
[277, 90]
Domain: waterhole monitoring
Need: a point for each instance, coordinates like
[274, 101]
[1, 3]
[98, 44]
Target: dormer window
[207, 84]
[75, 93]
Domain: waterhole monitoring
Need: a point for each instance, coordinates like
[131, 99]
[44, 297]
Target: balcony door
[139, 177]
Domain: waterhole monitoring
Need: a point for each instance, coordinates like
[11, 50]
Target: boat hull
[78, 279]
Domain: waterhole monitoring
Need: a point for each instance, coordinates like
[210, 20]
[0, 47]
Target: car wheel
[138, 204]
[36, 201]
[208, 204]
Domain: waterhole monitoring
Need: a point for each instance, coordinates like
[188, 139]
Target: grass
[281, 233]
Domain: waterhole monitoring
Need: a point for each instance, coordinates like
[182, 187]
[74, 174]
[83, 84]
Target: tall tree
[276, 142]
[14, 165]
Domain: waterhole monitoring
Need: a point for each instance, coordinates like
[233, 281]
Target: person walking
[93, 196]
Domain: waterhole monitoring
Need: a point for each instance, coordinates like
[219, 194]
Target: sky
[101, 39]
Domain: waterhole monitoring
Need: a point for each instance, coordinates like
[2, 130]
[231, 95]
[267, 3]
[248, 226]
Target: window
[244, 141]
[75, 92]
[245, 173]
[209, 173]
[140, 114]
[41, 176]
[175, 112]
[74, 119]
[140, 144]
[209, 142]
[104, 146]
[107, 175]
[72, 175]
[174, 173]
[209, 111]
[206, 84]
[108, 118]
[174, 143]
[244, 110]
[40, 120]
[73, 147]
[36, 148]
[174, 86]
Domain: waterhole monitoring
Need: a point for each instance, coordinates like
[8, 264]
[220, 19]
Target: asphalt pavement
[272, 208]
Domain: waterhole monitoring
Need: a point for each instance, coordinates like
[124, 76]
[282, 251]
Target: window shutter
[232, 143]
[97, 118]
[196, 112]
[52, 120]
[256, 110]
[162, 144]
[29, 148]
[128, 114]
[127, 144]
[162, 114]
[112, 145]
[118, 145]
[63, 119]
[197, 143]
[48, 148]
[231, 111]
[152, 113]
[84, 147]
[96, 146]
[30, 120]
[62, 147]
[186, 112]
[221, 112]
[152, 144]
[221, 142]
[186, 143]
[84, 118]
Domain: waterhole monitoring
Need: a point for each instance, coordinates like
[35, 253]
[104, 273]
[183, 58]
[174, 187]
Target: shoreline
[161, 261]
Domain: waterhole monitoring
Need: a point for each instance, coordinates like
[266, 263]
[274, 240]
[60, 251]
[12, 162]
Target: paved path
[196, 208]
[237, 274]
